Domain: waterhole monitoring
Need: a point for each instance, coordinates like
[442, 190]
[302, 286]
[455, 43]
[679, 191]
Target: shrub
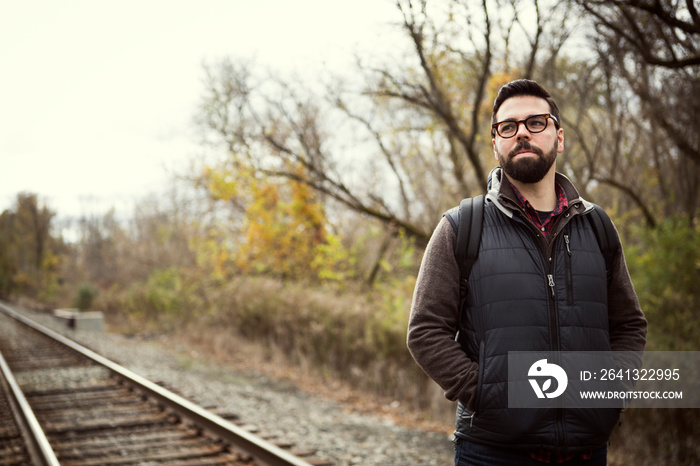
[87, 292]
[665, 269]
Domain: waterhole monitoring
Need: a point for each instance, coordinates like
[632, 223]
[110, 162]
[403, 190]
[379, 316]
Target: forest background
[304, 226]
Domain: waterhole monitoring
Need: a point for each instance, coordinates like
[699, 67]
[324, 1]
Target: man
[539, 284]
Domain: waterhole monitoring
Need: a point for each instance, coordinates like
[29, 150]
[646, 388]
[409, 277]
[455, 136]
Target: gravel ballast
[335, 430]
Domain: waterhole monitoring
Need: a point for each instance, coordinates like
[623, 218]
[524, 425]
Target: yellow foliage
[23, 280]
[282, 230]
[50, 262]
[284, 233]
[222, 184]
[498, 80]
[213, 254]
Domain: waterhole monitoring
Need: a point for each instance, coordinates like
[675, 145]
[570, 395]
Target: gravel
[335, 430]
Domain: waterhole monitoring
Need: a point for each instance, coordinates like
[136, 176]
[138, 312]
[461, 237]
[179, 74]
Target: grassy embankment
[358, 338]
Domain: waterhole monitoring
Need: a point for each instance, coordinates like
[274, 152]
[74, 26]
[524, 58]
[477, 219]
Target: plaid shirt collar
[544, 226]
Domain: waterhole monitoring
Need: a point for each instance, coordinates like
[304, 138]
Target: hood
[494, 186]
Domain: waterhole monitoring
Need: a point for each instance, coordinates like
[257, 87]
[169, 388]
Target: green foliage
[665, 268]
[169, 297]
[213, 254]
[162, 291]
[385, 329]
[7, 268]
[87, 292]
[333, 263]
[30, 256]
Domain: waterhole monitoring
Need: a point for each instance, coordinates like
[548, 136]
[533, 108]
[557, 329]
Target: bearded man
[539, 283]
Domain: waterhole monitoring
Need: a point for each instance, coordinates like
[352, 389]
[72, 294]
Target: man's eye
[537, 123]
[508, 126]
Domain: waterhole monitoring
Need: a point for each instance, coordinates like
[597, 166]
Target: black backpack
[469, 220]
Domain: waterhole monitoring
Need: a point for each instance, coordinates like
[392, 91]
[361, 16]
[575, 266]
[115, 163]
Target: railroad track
[63, 404]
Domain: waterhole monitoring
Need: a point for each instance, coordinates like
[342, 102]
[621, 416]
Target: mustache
[525, 145]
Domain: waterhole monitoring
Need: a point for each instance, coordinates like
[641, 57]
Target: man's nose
[523, 132]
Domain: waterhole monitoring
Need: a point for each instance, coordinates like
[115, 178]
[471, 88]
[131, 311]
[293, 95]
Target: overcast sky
[97, 97]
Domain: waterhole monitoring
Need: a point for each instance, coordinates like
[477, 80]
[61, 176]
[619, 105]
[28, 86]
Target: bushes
[168, 299]
[344, 333]
[665, 269]
[360, 337]
[357, 337]
[87, 292]
[654, 436]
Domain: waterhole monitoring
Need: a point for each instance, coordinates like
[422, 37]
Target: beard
[527, 169]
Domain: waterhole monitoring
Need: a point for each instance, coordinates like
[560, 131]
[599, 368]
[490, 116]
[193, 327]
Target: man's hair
[524, 87]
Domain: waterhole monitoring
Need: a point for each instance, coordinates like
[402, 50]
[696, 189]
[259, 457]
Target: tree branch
[651, 222]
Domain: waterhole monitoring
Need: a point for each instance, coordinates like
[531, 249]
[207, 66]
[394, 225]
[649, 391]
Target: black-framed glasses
[534, 124]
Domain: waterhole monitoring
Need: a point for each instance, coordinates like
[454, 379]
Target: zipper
[554, 324]
[569, 276]
[480, 380]
[550, 282]
[548, 265]
[553, 320]
[559, 412]
[548, 261]
[479, 384]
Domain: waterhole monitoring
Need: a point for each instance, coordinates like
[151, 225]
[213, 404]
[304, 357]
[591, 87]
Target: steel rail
[261, 450]
[38, 446]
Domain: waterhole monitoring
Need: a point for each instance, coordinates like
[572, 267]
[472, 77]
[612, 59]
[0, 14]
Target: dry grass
[351, 347]
[651, 437]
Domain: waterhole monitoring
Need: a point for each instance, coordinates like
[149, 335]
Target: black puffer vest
[520, 300]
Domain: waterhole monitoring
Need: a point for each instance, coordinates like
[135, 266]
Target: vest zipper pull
[566, 240]
[550, 279]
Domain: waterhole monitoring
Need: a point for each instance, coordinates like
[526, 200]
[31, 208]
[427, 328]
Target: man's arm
[628, 326]
[626, 321]
[433, 321]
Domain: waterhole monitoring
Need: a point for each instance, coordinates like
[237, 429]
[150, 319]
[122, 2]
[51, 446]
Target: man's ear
[560, 138]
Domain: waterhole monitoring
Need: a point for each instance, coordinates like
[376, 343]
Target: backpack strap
[471, 220]
[467, 220]
[607, 237]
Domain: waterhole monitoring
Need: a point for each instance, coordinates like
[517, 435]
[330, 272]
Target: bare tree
[457, 52]
[412, 138]
[656, 49]
[663, 33]
[283, 129]
[651, 48]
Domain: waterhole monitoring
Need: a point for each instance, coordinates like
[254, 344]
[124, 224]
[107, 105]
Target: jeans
[473, 454]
